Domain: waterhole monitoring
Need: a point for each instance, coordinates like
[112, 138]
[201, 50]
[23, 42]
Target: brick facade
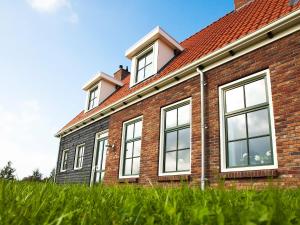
[282, 58]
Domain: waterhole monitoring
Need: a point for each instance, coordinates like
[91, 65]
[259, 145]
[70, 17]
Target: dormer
[99, 88]
[150, 54]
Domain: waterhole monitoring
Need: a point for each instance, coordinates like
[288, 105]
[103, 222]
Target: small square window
[79, 154]
[64, 160]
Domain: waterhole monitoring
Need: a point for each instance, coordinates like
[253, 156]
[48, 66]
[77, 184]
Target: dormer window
[100, 88]
[144, 66]
[150, 54]
[93, 98]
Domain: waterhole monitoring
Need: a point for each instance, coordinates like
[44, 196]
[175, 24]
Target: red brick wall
[283, 59]
[150, 109]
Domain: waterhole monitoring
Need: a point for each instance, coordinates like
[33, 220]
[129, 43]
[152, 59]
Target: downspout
[202, 115]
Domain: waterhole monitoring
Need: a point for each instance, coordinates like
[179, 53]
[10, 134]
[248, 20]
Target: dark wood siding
[85, 136]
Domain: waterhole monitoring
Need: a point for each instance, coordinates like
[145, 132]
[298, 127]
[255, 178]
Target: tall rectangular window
[247, 124]
[144, 66]
[131, 147]
[64, 160]
[79, 157]
[176, 138]
[93, 98]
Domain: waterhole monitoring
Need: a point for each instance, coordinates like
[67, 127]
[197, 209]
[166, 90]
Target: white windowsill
[174, 174]
[129, 177]
[252, 168]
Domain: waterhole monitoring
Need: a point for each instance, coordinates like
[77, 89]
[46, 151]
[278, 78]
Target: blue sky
[50, 48]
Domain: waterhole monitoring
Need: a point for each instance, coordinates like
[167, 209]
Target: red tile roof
[226, 30]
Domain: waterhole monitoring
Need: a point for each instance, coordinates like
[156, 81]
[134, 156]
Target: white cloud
[48, 5]
[27, 139]
[51, 6]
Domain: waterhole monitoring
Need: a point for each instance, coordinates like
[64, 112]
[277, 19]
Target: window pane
[95, 93]
[184, 114]
[66, 156]
[171, 141]
[81, 151]
[149, 70]
[104, 155]
[100, 144]
[129, 133]
[258, 123]
[170, 163]
[137, 148]
[184, 160]
[171, 118]
[127, 167]
[260, 151]
[129, 147]
[234, 99]
[136, 166]
[141, 63]
[138, 129]
[140, 75]
[184, 138]
[255, 93]
[149, 58]
[236, 127]
[237, 154]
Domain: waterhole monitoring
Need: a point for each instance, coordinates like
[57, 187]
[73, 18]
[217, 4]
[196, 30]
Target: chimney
[121, 74]
[240, 3]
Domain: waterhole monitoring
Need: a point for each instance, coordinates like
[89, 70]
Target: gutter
[202, 116]
[279, 29]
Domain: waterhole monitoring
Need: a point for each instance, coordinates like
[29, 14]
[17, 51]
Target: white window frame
[62, 160]
[162, 137]
[135, 59]
[77, 155]
[100, 135]
[264, 73]
[87, 104]
[122, 154]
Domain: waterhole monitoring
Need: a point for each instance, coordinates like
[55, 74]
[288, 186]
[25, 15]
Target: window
[93, 98]
[131, 151]
[64, 160]
[79, 157]
[247, 124]
[144, 66]
[176, 139]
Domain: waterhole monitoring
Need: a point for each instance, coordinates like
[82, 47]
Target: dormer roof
[155, 34]
[101, 76]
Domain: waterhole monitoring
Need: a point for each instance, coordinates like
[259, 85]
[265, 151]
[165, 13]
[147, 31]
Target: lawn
[42, 203]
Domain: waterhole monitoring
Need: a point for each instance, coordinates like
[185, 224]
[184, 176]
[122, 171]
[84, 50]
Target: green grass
[38, 203]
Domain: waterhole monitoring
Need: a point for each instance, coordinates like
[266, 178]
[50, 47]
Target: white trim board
[280, 28]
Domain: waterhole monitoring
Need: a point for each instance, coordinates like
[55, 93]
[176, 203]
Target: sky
[50, 48]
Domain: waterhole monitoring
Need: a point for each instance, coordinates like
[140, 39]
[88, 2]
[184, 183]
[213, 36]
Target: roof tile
[226, 30]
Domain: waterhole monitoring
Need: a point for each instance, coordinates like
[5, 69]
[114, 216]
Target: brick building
[224, 103]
